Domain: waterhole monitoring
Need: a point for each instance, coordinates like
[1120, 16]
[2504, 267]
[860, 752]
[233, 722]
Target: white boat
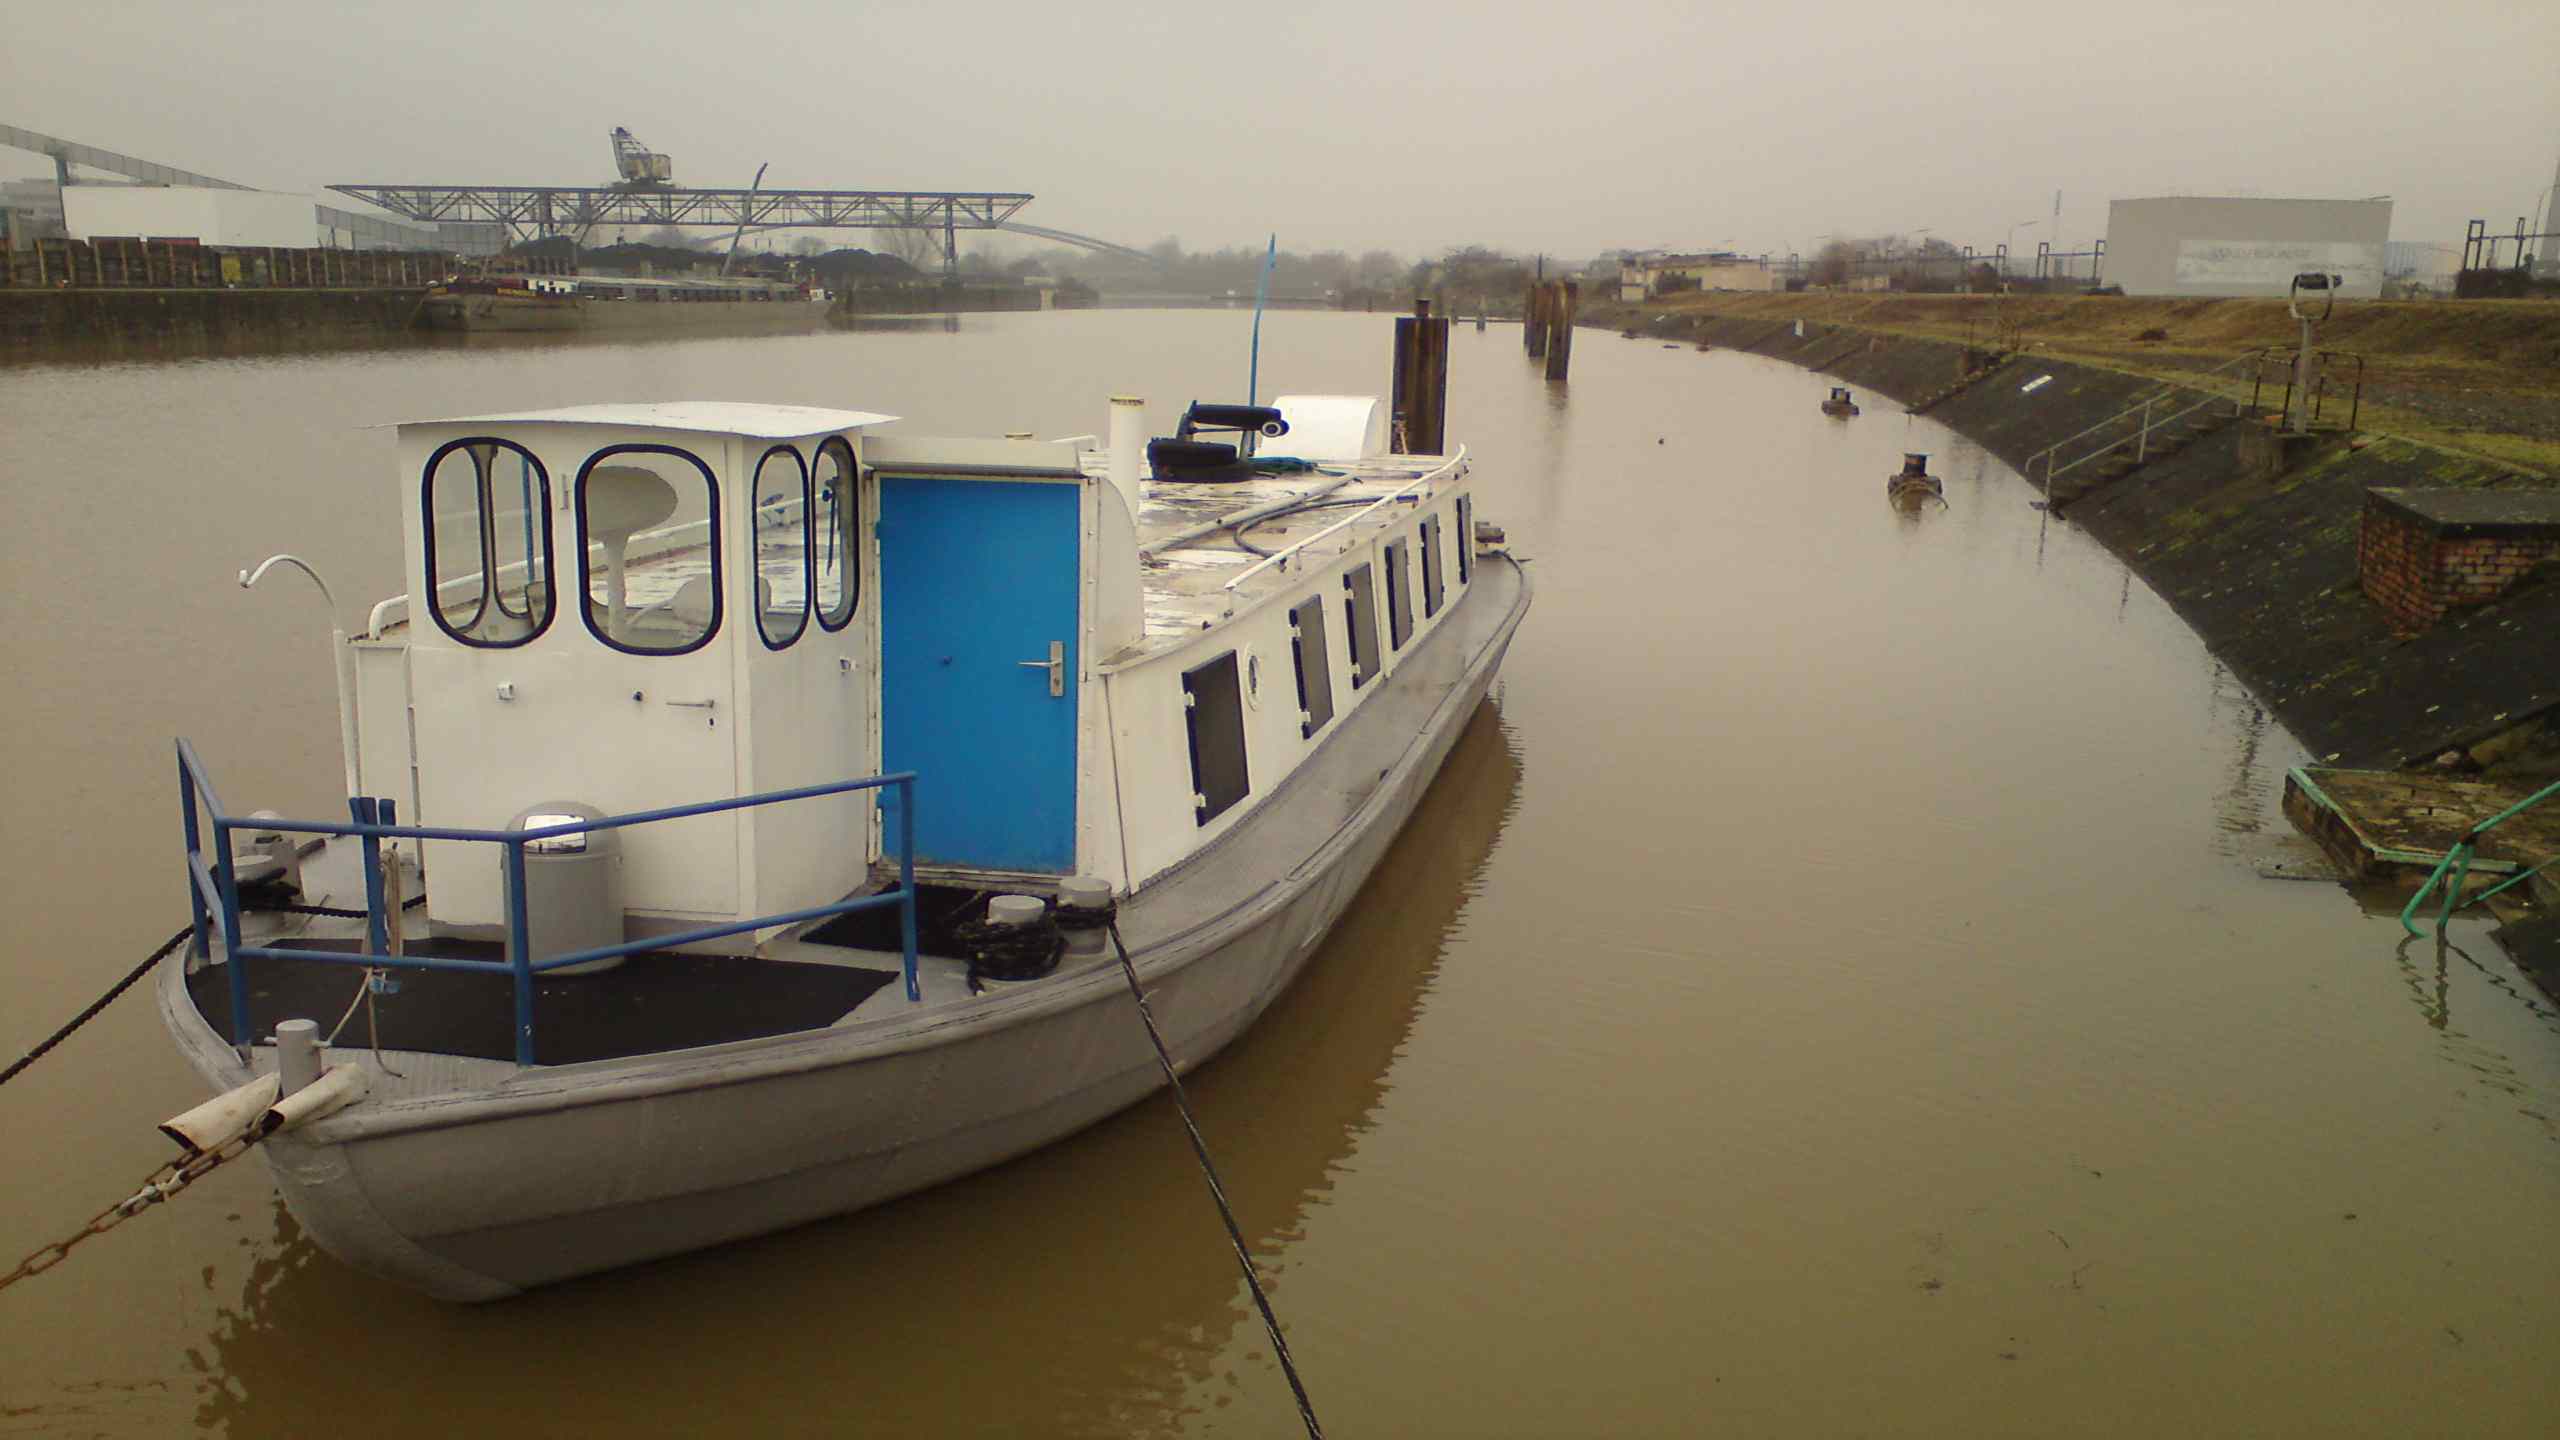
[1211, 694]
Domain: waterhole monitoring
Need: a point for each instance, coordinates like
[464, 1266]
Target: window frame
[1431, 588]
[851, 535]
[1466, 540]
[808, 546]
[1399, 593]
[1360, 610]
[1308, 656]
[711, 538]
[487, 534]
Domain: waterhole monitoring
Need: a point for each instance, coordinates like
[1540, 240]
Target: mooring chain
[162, 1184]
[95, 1006]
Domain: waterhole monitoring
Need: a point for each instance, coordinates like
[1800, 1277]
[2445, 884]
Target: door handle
[694, 704]
[1056, 665]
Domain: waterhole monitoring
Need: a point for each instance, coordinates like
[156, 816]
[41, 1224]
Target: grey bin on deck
[572, 885]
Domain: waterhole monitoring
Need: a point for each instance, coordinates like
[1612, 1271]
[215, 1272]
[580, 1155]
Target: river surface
[1830, 991]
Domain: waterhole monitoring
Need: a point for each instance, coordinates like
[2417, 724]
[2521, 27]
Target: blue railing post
[226, 883]
[368, 812]
[907, 882]
[195, 852]
[520, 948]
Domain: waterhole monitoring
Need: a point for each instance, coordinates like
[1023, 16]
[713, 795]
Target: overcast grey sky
[1565, 128]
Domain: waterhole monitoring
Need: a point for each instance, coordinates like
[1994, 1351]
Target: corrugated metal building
[2209, 245]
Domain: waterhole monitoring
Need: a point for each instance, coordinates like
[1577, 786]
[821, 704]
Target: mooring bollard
[297, 1055]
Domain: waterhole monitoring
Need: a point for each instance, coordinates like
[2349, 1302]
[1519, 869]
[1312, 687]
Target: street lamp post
[2006, 245]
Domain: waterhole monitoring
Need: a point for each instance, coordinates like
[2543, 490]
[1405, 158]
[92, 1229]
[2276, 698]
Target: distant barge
[539, 303]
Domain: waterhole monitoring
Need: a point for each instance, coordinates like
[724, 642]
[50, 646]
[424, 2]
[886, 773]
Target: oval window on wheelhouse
[649, 549]
[487, 507]
[836, 535]
[783, 572]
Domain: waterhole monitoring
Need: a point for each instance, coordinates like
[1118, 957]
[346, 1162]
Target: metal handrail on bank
[2462, 851]
[2143, 430]
[213, 887]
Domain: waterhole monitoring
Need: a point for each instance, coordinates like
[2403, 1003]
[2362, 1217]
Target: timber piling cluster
[1421, 385]
[1548, 319]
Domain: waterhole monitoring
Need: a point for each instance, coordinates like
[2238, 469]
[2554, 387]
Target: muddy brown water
[1830, 990]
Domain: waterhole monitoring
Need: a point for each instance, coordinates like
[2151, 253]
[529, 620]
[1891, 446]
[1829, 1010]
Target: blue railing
[213, 889]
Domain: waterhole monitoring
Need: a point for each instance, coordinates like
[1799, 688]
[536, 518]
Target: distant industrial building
[30, 210]
[2205, 245]
[191, 212]
[1641, 277]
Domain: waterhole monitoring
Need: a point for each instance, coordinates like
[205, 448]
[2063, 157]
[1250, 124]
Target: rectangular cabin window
[1315, 669]
[1214, 715]
[1466, 539]
[1360, 612]
[1399, 596]
[1430, 566]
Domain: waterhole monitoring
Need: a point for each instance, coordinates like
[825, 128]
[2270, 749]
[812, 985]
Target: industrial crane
[641, 168]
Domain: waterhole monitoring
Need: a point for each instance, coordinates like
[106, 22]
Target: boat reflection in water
[1083, 1289]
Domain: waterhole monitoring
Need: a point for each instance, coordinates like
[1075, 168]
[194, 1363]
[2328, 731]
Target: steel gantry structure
[536, 211]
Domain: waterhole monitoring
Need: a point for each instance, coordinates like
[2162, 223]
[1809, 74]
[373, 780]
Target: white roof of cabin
[713, 417]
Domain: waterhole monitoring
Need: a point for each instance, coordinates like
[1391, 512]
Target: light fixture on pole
[342, 663]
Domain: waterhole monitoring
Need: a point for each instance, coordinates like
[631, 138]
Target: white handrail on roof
[1280, 558]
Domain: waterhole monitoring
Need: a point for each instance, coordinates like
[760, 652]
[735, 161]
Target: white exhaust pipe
[1128, 448]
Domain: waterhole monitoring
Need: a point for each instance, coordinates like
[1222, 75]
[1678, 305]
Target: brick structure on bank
[2422, 553]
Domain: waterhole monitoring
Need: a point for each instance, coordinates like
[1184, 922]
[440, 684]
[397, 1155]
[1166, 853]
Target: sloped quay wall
[2264, 569]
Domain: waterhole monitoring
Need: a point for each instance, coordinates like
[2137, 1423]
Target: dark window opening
[1430, 566]
[1466, 539]
[1360, 610]
[1315, 668]
[488, 543]
[1214, 712]
[1214, 716]
[1399, 598]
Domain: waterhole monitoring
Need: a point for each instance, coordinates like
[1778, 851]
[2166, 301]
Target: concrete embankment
[2265, 567]
[31, 318]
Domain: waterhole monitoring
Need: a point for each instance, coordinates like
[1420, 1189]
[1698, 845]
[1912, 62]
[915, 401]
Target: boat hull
[571, 1170]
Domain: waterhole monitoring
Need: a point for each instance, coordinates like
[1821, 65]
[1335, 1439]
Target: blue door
[977, 600]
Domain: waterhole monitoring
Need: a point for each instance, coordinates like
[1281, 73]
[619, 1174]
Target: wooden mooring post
[1533, 320]
[1421, 413]
[1564, 297]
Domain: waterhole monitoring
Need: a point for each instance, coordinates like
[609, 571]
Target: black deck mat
[939, 908]
[654, 1002]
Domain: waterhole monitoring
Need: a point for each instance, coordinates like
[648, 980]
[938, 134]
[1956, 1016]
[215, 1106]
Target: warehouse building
[2207, 245]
